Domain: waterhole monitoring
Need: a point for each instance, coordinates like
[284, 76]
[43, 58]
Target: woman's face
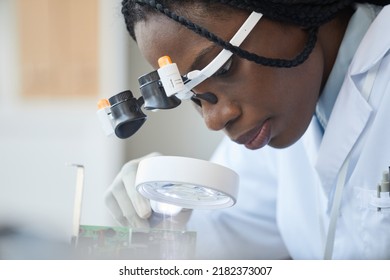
[257, 105]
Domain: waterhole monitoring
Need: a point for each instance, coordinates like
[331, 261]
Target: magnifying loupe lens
[154, 93]
[127, 114]
[127, 128]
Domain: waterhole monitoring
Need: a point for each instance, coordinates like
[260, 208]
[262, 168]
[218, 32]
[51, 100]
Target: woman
[311, 82]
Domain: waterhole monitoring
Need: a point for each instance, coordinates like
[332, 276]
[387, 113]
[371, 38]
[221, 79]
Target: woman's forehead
[156, 39]
[160, 35]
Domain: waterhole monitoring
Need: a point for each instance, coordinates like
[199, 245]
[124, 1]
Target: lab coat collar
[357, 27]
[372, 52]
[351, 111]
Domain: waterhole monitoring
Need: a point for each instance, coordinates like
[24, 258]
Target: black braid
[306, 13]
[236, 50]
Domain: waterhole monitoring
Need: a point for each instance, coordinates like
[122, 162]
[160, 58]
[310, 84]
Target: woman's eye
[224, 69]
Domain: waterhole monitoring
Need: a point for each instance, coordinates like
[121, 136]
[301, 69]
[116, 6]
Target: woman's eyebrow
[200, 57]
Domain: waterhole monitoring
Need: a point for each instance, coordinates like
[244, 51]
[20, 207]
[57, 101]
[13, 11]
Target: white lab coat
[286, 195]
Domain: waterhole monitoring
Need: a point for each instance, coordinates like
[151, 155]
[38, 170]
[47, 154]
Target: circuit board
[101, 242]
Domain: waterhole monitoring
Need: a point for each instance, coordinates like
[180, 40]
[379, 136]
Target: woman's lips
[256, 138]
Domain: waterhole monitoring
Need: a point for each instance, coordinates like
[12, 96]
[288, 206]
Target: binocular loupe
[163, 89]
[121, 114]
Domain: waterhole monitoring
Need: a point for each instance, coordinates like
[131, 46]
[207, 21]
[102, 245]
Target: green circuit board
[101, 242]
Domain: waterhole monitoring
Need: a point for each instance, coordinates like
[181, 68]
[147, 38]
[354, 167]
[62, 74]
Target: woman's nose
[218, 112]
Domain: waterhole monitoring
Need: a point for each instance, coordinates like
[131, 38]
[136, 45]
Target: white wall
[37, 139]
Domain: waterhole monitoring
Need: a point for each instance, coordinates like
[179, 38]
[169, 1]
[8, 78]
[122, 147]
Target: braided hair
[310, 14]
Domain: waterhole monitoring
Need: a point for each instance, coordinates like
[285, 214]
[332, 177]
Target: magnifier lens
[185, 195]
[128, 127]
[154, 94]
[127, 114]
[187, 182]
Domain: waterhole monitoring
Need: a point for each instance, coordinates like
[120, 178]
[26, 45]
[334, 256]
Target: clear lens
[187, 182]
[185, 195]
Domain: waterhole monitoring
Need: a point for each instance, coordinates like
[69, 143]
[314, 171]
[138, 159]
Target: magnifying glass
[187, 182]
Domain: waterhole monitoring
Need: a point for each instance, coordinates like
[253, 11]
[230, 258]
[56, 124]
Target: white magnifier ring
[187, 182]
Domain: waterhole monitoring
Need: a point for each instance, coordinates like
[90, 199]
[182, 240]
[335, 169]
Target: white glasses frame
[198, 76]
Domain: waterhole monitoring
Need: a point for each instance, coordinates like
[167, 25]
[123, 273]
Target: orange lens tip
[164, 60]
[103, 103]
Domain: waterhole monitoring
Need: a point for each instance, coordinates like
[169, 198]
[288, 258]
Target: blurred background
[57, 58]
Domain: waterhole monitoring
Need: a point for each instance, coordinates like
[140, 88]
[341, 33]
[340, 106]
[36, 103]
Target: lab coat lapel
[347, 121]
[368, 54]
[351, 111]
